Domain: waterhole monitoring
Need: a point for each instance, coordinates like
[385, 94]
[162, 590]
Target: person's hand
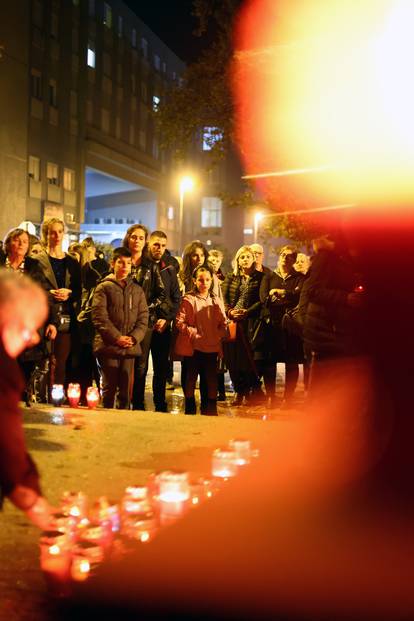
[237, 314]
[160, 325]
[61, 295]
[51, 332]
[40, 513]
[278, 293]
[125, 341]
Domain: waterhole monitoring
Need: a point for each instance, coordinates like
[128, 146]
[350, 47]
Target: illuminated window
[155, 103]
[91, 57]
[34, 168]
[52, 173]
[107, 15]
[170, 212]
[211, 210]
[211, 135]
[69, 179]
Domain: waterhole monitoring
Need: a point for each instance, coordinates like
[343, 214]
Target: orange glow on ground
[326, 85]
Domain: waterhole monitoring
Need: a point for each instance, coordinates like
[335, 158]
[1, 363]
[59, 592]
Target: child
[120, 318]
[201, 324]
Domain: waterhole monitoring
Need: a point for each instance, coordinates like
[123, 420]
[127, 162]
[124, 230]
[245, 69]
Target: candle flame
[54, 550]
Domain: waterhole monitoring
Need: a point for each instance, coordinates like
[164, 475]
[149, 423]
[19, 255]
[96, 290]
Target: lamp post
[186, 185]
[258, 216]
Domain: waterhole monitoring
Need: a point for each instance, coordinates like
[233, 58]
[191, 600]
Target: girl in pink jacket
[201, 324]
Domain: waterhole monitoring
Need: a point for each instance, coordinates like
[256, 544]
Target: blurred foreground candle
[58, 394]
[55, 560]
[75, 504]
[65, 523]
[243, 450]
[80, 568]
[224, 463]
[174, 493]
[141, 526]
[136, 499]
[105, 511]
[98, 533]
[74, 393]
[92, 396]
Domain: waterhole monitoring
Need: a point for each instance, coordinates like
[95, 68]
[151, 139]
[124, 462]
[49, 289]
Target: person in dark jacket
[280, 291]
[120, 317]
[240, 291]
[331, 305]
[166, 312]
[23, 310]
[17, 246]
[63, 275]
[147, 275]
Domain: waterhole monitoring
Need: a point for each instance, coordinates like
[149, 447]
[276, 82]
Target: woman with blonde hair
[242, 303]
[63, 275]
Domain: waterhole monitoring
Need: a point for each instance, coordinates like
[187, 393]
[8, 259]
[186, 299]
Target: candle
[92, 397]
[58, 394]
[242, 449]
[65, 523]
[99, 533]
[224, 463]
[105, 511]
[80, 569]
[90, 551]
[75, 504]
[141, 526]
[55, 560]
[174, 494]
[74, 393]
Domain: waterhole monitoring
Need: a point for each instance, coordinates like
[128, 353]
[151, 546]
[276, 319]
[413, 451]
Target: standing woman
[146, 273]
[16, 249]
[242, 303]
[64, 277]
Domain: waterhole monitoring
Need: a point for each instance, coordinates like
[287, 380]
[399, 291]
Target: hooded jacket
[118, 311]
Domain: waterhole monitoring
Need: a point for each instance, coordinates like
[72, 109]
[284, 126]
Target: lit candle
[80, 569]
[98, 533]
[174, 494]
[242, 449]
[105, 511]
[141, 526]
[224, 463]
[90, 551]
[92, 397]
[74, 393]
[75, 504]
[55, 560]
[65, 523]
[58, 394]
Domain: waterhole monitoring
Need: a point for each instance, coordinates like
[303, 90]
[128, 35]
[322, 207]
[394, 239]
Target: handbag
[62, 320]
[231, 329]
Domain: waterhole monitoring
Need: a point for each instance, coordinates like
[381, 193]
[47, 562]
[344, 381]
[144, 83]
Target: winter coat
[230, 288]
[330, 324]
[201, 324]
[292, 286]
[118, 311]
[169, 308]
[147, 275]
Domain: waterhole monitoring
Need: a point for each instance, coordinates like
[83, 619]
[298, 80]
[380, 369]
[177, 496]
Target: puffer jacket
[118, 311]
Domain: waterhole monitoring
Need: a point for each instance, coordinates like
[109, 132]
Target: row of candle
[80, 539]
[74, 394]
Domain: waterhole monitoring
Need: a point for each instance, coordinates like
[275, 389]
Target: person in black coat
[161, 336]
[280, 291]
[23, 310]
[16, 258]
[147, 275]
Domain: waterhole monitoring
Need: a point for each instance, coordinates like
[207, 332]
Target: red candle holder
[74, 393]
[92, 397]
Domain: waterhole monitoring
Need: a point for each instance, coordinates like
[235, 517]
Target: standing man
[166, 312]
[258, 254]
[23, 310]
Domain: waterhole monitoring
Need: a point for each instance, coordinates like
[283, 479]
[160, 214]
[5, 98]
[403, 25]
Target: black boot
[190, 405]
[211, 408]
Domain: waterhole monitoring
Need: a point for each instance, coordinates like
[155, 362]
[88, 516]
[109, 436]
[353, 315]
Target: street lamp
[186, 185]
[258, 216]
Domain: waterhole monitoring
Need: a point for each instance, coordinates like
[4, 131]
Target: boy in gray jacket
[120, 317]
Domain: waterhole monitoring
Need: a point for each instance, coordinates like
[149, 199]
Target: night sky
[172, 22]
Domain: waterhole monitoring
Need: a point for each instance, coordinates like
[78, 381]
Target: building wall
[13, 114]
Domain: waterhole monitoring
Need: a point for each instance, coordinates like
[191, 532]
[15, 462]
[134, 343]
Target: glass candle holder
[57, 394]
[64, 523]
[177, 403]
[224, 464]
[55, 558]
[243, 450]
[99, 533]
[141, 526]
[80, 568]
[74, 393]
[90, 551]
[75, 504]
[92, 397]
[104, 511]
[174, 494]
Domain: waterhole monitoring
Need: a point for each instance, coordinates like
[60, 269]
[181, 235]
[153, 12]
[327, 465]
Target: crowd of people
[106, 319]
